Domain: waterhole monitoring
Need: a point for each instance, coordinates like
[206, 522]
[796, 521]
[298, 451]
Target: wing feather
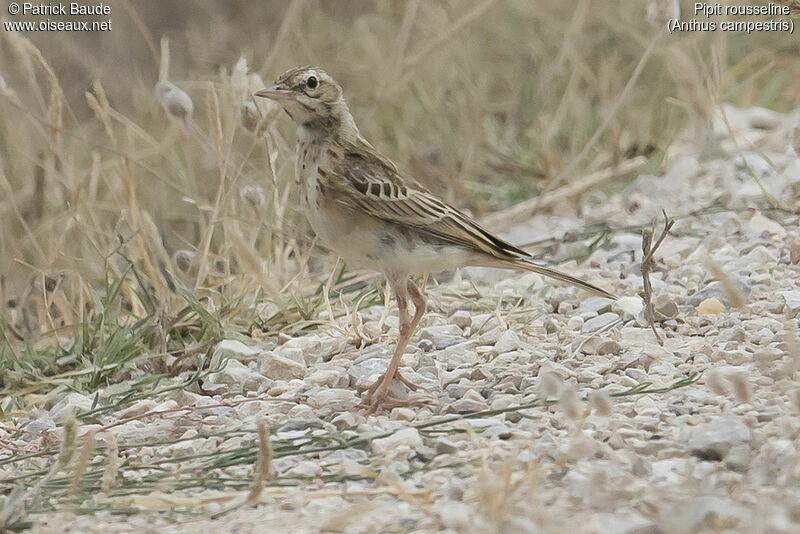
[361, 179]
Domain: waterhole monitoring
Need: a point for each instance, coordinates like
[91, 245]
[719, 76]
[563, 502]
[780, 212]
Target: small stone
[368, 365]
[37, 426]
[72, 404]
[181, 448]
[575, 323]
[714, 289]
[291, 353]
[565, 308]
[232, 348]
[609, 346]
[301, 424]
[794, 251]
[508, 342]
[280, 368]
[758, 224]
[445, 445]
[596, 304]
[796, 139]
[235, 377]
[738, 458]
[483, 322]
[345, 420]
[624, 524]
[137, 408]
[550, 326]
[442, 336]
[710, 306]
[402, 414]
[466, 405]
[600, 322]
[792, 299]
[461, 319]
[337, 400]
[764, 119]
[332, 378]
[628, 307]
[665, 307]
[456, 516]
[405, 438]
[703, 513]
[712, 441]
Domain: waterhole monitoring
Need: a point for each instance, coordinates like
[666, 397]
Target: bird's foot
[377, 396]
[409, 384]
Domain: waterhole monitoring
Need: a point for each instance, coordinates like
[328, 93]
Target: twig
[648, 263]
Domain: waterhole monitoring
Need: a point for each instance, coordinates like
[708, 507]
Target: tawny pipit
[364, 209]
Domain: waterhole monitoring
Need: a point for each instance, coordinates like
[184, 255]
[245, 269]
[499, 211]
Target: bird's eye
[312, 82]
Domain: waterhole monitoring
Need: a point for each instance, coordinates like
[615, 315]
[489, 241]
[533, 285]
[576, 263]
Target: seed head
[569, 402]
[741, 387]
[175, 101]
[659, 12]
[716, 382]
[600, 402]
[253, 195]
[250, 116]
[549, 384]
[183, 259]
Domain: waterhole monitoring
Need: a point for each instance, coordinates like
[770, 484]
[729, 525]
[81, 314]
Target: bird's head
[308, 94]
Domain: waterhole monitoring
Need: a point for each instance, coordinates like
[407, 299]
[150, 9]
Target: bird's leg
[419, 310]
[377, 393]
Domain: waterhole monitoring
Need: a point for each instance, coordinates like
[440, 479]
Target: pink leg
[377, 393]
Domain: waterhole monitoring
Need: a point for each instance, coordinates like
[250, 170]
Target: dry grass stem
[648, 263]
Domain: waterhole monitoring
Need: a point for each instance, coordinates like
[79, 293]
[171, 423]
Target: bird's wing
[363, 180]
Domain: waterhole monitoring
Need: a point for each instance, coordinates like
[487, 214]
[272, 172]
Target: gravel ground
[718, 453]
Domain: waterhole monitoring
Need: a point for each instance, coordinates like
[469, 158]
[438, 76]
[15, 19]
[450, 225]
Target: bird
[364, 209]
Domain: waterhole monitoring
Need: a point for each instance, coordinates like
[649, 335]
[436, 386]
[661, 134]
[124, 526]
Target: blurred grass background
[127, 229]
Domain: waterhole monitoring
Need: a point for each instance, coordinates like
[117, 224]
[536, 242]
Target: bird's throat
[335, 125]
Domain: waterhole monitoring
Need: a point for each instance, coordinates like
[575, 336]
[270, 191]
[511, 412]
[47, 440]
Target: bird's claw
[377, 396]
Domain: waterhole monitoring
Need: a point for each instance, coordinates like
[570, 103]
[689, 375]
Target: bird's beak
[276, 93]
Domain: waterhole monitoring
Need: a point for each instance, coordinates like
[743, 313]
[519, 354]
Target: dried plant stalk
[648, 262]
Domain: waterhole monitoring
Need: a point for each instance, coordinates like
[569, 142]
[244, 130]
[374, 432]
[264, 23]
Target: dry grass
[138, 228]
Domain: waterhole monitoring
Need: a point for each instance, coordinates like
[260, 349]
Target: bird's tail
[528, 265]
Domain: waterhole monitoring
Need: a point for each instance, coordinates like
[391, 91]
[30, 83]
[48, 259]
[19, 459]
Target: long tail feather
[528, 265]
